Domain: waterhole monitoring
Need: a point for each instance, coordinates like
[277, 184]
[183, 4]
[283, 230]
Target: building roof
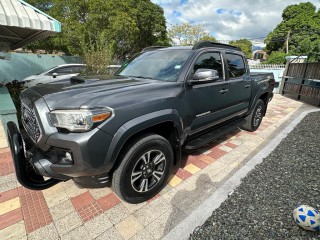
[21, 23]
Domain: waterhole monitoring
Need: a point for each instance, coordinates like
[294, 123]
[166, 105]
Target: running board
[213, 135]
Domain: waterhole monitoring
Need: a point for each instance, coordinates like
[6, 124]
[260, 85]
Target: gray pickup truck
[129, 130]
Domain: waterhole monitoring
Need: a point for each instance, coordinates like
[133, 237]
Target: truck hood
[114, 92]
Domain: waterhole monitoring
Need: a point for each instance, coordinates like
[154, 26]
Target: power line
[272, 4]
[278, 38]
[266, 6]
[293, 36]
[257, 38]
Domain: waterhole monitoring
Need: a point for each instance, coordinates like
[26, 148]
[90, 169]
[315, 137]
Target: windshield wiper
[142, 77]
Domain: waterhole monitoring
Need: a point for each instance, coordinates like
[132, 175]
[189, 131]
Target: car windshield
[164, 65]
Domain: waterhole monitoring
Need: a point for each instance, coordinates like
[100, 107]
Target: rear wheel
[144, 168]
[255, 118]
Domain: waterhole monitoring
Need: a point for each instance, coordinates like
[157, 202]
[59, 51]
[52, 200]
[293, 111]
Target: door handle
[224, 91]
[247, 85]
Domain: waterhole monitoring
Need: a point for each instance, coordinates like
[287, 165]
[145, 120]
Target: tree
[135, 25]
[127, 26]
[208, 38]
[43, 5]
[188, 34]
[245, 45]
[276, 57]
[298, 33]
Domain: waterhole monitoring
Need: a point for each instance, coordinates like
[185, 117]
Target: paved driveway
[68, 212]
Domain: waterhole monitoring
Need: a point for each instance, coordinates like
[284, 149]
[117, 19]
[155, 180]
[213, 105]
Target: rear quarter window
[78, 69]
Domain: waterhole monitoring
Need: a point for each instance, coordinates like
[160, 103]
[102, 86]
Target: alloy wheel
[258, 116]
[148, 171]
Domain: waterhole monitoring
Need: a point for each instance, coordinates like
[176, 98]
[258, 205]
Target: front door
[207, 101]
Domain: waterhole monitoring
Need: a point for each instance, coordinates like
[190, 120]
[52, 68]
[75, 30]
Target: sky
[229, 19]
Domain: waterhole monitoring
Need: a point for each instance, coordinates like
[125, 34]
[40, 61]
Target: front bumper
[26, 175]
[88, 169]
[46, 148]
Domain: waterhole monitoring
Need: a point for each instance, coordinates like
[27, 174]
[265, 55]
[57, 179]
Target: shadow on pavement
[185, 201]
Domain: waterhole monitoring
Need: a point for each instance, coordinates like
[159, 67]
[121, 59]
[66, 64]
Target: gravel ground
[261, 207]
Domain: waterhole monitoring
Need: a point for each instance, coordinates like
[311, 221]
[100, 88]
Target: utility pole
[287, 42]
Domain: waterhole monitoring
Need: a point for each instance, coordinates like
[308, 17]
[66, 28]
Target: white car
[57, 73]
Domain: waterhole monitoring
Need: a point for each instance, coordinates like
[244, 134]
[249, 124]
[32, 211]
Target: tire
[144, 168]
[255, 118]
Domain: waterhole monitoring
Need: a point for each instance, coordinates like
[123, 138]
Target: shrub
[276, 57]
[97, 56]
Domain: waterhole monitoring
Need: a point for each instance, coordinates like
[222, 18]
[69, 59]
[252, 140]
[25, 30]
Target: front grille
[30, 122]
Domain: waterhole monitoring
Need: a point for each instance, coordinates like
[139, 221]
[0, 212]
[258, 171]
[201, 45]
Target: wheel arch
[264, 96]
[166, 123]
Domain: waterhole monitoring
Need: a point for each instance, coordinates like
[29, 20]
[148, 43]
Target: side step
[213, 135]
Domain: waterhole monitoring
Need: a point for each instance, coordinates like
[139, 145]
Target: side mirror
[54, 75]
[205, 75]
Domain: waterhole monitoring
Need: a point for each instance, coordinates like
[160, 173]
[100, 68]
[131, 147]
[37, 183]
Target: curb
[204, 211]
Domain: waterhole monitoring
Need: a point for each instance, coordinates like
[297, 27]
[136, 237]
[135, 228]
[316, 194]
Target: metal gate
[302, 82]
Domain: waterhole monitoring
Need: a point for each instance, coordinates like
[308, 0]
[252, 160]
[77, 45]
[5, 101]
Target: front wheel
[144, 168]
[255, 118]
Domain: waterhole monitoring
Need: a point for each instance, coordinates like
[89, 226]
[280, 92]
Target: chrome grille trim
[30, 122]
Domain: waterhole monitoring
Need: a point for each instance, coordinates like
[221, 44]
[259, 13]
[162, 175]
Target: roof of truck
[199, 45]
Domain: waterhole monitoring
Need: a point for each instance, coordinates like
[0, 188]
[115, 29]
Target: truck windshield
[164, 65]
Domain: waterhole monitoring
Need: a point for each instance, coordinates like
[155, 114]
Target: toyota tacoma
[128, 130]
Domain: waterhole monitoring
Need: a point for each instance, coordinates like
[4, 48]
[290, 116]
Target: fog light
[68, 157]
[64, 157]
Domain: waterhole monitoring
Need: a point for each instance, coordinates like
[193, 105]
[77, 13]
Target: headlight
[78, 120]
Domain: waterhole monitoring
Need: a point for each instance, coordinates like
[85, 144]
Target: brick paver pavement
[68, 212]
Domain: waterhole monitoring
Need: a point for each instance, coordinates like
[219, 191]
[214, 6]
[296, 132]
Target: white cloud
[229, 19]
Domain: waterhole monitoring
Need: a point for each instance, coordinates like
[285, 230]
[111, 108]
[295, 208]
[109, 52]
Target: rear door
[239, 81]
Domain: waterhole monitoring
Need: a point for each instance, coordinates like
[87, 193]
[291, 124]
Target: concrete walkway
[68, 212]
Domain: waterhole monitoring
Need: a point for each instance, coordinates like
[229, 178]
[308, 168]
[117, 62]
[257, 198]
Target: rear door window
[78, 69]
[236, 66]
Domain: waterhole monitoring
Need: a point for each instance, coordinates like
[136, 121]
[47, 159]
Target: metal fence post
[285, 73]
[303, 77]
